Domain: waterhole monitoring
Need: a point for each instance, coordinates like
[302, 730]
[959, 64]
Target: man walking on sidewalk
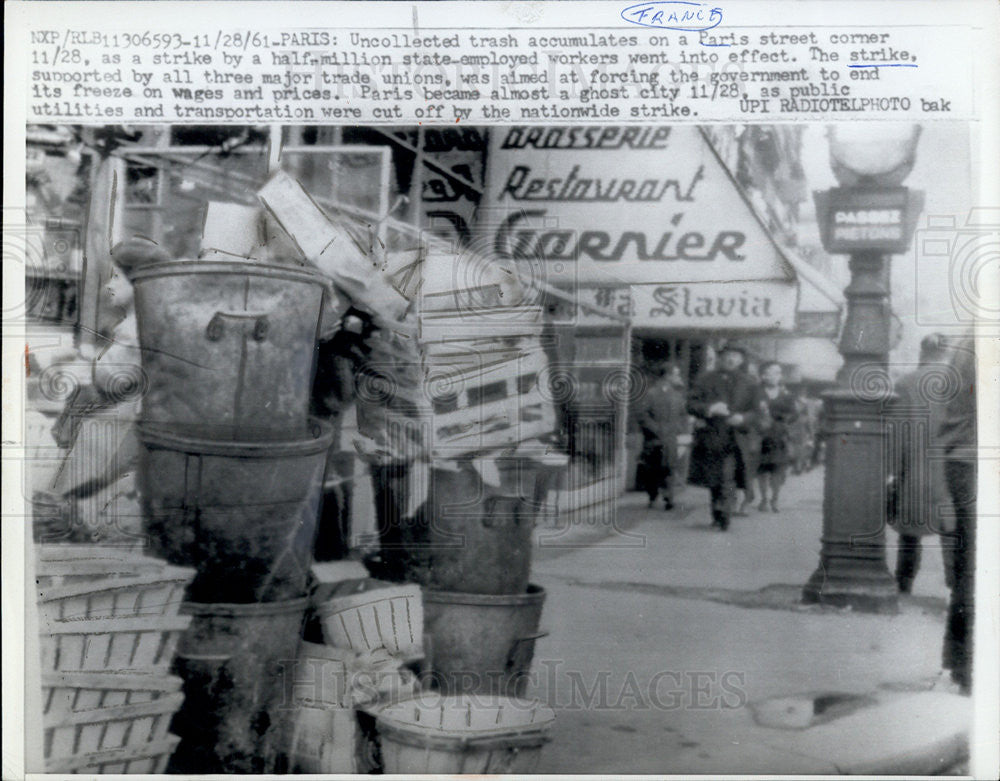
[662, 418]
[919, 490]
[958, 436]
[724, 403]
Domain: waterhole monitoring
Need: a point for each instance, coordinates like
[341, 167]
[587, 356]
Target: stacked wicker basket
[109, 626]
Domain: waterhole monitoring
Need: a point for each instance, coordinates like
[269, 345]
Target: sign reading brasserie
[646, 206]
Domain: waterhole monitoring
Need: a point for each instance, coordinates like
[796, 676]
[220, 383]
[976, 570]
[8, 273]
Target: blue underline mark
[716, 44]
[886, 65]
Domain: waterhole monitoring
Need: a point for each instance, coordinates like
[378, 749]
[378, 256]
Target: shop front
[644, 224]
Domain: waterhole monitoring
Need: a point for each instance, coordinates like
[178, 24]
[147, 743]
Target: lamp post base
[844, 584]
[852, 568]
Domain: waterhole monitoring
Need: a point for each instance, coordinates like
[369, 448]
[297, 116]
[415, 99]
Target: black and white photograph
[632, 446]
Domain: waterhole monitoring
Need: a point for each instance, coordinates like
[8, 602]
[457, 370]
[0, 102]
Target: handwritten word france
[673, 15]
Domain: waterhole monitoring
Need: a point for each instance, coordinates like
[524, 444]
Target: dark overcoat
[662, 417]
[714, 439]
[781, 414]
[919, 499]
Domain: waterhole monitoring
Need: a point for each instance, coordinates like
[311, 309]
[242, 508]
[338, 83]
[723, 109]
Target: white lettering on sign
[869, 217]
[868, 233]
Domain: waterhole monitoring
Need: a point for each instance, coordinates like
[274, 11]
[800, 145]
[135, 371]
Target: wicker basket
[390, 618]
[324, 740]
[321, 678]
[149, 758]
[435, 734]
[104, 729]
[63, 564]
[67, 693]
[145, 644]
[156, 593]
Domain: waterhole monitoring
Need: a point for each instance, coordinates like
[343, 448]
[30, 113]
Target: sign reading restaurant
[646, 206]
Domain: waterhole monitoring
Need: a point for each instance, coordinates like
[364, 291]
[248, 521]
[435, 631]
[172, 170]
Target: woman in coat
[778, 412]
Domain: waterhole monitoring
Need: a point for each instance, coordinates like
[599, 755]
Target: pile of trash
[455, 368]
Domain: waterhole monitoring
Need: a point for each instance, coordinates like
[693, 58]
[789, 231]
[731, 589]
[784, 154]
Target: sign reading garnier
[648, 206]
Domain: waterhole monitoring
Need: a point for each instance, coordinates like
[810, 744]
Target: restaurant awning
[820, 306]
[810, 349]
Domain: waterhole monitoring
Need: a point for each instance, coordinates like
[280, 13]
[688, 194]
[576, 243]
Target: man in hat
[724, 404]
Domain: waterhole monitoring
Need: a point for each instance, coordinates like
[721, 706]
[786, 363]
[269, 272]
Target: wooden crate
[489, 322]
[462, 348]
[493, 406]
[466, 408]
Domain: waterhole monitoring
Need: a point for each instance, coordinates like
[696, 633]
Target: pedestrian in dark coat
[724, 403]
[957, 434]
[920, 503]
[662, 417]
[778, 412]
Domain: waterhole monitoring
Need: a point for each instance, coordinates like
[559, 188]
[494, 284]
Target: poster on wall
[447, 203]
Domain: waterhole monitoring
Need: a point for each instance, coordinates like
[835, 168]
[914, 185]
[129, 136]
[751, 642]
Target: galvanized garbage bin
[482, 643]
[228, 346]
[238, 664]
[242, 513]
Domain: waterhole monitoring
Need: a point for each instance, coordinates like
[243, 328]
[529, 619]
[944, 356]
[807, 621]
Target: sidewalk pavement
[674, 648]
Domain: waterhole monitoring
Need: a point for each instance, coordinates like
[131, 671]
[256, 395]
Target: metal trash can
[482, 643]
[242, 513]
[228, 346]
[237, 664]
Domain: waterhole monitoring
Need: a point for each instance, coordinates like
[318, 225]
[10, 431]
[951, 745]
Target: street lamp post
[869, 218]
